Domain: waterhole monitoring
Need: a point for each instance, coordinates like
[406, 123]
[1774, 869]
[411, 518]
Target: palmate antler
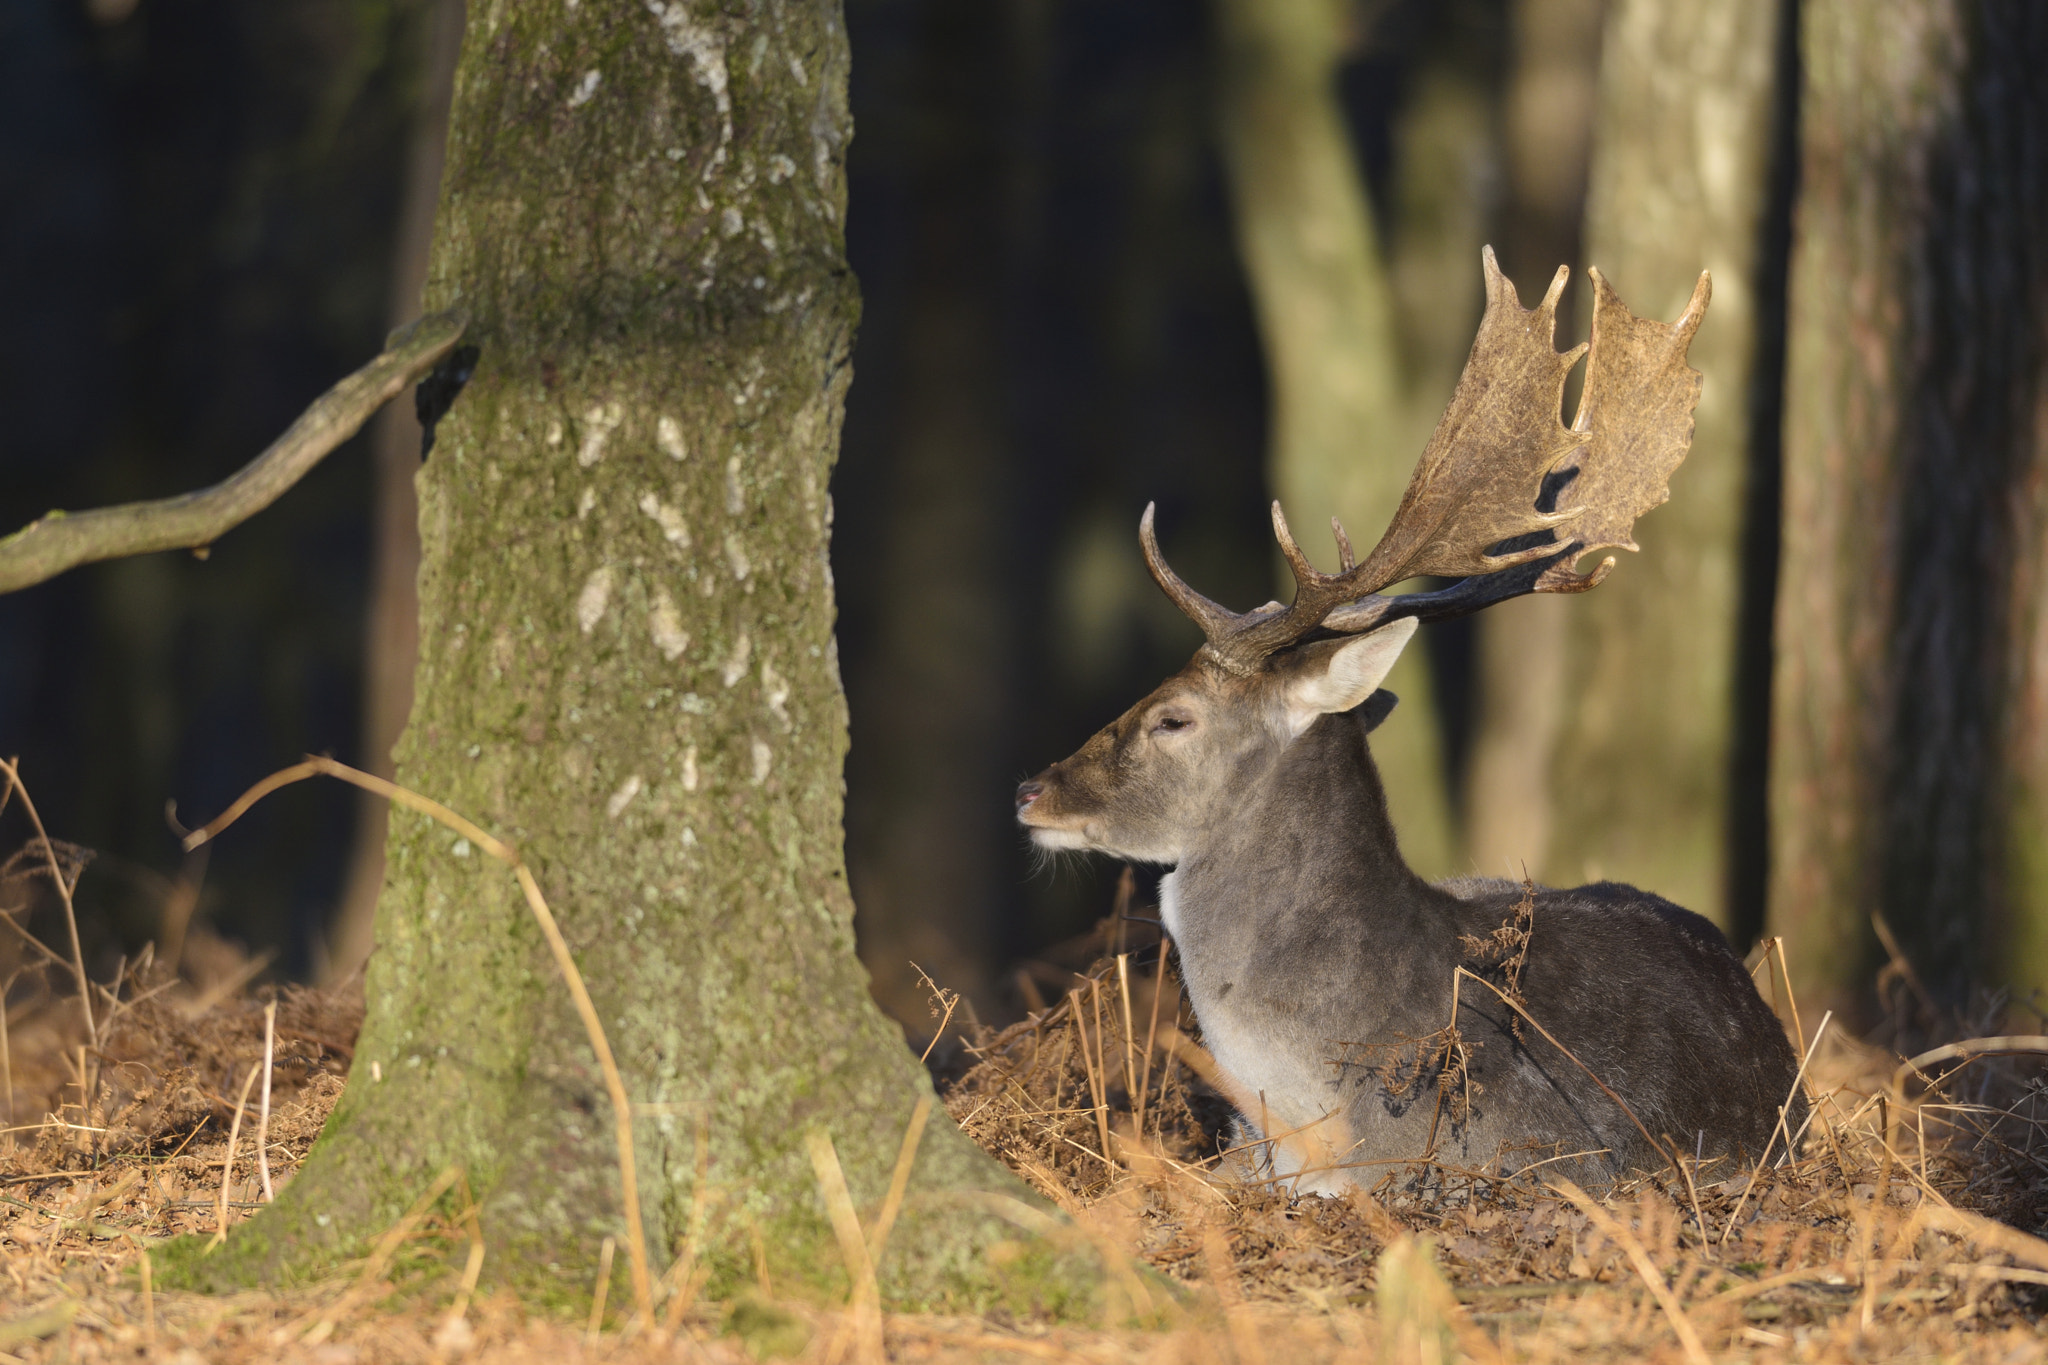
[1474, 508]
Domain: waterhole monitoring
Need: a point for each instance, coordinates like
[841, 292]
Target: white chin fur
[1065, 840]
[1060, 839]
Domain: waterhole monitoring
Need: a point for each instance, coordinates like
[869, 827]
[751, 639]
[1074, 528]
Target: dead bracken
[1903, 1228]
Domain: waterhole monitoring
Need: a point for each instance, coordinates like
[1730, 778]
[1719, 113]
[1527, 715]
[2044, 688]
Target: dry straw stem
[1983, 1231]
[1965, 1052]
[1098, 1071]
[942, 996]
[682, 1276]
[1777, 947]
[622, 1105]
[1653, 1279]
[601, 1292]
[14, 785]
[1151, 1033]
[64, 540]
[227, 1165]
[6, 1047]
[263, 1116]
[1764, 1158]
[899, 1179]
[1244, 1333]
[1123, 981]
[472, 1269]
[148, 1297]
[865, 1321]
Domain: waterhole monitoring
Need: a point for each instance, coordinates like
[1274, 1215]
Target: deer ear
[1337, 675]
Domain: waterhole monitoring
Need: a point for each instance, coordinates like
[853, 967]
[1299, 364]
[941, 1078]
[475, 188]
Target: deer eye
[1172, 723]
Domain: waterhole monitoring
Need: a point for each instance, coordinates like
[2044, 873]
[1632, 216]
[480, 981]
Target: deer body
[1346, 1001]
[1317, 962]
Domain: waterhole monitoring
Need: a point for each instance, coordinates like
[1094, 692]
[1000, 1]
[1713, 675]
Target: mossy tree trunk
[1910, 750]
[1680, 174]
[628, 669]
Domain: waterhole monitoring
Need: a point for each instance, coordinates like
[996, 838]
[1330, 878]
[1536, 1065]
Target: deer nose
[1027, 792]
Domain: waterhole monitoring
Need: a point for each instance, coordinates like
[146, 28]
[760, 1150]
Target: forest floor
[1902, 1231]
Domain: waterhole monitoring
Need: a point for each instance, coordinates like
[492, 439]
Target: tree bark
[1680, 170]
[1911, 688]
[627, 668]
[1345, 426]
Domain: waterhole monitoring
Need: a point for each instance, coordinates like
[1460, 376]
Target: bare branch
[64, 540]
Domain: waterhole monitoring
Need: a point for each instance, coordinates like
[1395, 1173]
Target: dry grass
[1876, 1243]
[1880, 1240]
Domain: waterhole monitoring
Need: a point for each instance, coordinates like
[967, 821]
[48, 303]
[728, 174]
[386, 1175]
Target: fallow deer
[1602, 1028]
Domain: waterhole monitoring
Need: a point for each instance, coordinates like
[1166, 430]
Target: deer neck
[1301, 930]
[1308, 843]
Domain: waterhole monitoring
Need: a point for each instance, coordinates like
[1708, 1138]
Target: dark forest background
[208, 212]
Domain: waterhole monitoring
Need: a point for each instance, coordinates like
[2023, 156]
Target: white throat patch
[1169, 903]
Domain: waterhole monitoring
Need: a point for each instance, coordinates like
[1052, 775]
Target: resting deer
[1601, 1027]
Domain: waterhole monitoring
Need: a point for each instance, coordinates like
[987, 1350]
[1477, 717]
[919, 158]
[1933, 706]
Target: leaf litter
[1906, 1227]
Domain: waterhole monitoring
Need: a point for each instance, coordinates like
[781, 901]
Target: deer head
[1481, 507]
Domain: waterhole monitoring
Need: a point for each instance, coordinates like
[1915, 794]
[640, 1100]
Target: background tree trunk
[391, 625]
[1681, 156]
[627, 668]
[930, 758]
[1911, 688]
[1520, 658]
[1345, 427]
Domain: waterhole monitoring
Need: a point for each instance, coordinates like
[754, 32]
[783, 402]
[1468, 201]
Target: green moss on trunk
[628, 670]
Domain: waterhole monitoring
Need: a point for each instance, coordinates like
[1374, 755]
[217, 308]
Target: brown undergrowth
[1904, 1225]
[1902, 1228]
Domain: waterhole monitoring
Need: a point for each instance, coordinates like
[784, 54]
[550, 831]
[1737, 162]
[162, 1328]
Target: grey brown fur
[1320, 965]
[1350, 946]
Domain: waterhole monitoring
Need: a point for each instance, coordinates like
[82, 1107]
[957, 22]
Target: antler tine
[1316, 595]
[1471, 508]
[1217, 622]
[1305, 573]
[1635, 415]
[1477, 482]
[1346, 559]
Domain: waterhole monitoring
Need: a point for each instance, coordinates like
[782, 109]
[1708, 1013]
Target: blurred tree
[1441, 198]
[627, 666]
[1679, 182]
[1351, 405]
[195, 212]
[1054, 329]
[936, 680]
[1547, 124]
[1910, 738]
[391, 618]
